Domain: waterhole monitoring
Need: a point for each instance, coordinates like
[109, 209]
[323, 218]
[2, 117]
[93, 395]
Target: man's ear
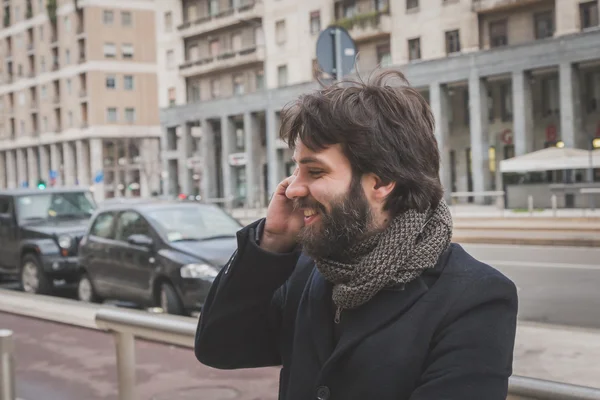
[377, 189]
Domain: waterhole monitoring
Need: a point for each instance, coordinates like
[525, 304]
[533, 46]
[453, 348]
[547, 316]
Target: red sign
[507, 136]
[551, 133]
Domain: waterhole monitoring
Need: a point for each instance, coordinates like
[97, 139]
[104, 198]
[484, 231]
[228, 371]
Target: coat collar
[356, 324]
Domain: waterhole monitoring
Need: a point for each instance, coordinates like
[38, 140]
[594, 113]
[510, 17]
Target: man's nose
[297, 188]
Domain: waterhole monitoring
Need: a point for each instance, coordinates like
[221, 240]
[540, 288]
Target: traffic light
[41, 184]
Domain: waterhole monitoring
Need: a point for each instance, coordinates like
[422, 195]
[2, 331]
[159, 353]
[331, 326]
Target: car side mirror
[140, 240]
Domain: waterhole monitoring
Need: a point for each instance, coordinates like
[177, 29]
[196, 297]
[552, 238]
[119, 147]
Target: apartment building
[78, 95]
[503, 78]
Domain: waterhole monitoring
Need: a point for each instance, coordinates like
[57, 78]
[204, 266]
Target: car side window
[131, 223]
[5, 205]
[103, 226]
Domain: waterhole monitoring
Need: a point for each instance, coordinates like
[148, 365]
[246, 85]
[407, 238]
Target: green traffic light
[41, 184]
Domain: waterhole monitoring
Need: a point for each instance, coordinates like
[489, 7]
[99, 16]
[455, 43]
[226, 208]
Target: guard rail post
[7, 366]
[125, 347]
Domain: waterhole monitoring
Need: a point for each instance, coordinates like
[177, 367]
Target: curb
[528, 241]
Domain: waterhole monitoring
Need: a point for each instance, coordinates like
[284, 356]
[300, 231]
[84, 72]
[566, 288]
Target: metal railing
[127, 325]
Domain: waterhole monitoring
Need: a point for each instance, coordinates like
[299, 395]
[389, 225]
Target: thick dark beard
[347, 223]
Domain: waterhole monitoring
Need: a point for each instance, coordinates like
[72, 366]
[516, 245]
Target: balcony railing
[226, 59]
[55, 67]
[81, 58]
[221, 19]
[84, 125]
[495, 5]
[364, 20]
[83, 93]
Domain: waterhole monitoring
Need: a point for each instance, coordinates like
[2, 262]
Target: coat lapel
[320, 319]
[358, 323]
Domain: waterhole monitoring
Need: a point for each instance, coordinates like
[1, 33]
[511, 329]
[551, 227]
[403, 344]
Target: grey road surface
[558, 285]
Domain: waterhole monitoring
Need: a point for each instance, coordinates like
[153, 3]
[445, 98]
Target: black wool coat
[449, 334]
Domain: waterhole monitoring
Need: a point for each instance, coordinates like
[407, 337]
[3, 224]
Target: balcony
[81, 59]
[83, 95]
[367, 26]
[222, 62]
[33, 105]
[84, 125]
[56, 101]
[221, 20]
[487, 6]
[54, 40]
[30, 48]
[55, 66]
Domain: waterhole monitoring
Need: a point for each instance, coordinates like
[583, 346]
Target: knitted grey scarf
[411, 243]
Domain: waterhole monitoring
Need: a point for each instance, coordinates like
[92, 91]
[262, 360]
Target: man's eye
[315, 172]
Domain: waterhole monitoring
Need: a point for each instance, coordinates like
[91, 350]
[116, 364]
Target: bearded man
[351, 283]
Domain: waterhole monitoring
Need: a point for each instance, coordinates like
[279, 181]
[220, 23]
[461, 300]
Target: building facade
[78, 95]
[503, 78]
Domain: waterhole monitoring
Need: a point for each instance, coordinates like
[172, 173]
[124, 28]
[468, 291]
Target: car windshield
[194, 223]
[44, 206]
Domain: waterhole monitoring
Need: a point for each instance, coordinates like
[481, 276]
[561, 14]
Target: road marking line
[533, 264]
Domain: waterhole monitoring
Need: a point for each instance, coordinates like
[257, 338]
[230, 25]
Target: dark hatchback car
[39, 235]
[155, 253]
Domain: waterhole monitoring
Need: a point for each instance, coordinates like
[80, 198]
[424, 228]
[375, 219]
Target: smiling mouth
[310, 215]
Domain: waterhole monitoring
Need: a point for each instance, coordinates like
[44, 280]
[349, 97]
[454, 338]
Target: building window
[414, 49]
[236, 41]
[68, 86]
[109, 17]
[384, 56]
[588, 14]
[214, 47]
[193, 94]
[452, 42]
[280, 36]
[260, 80]
[111, 114]
[68, 56]
[67, 22]
[550, 102]
[43, 92]
[172, 97]
[70, 119]
[45, 124]
[412, 4]
[111, 82]
[42, 33]
[282, 75]
[238, 84]
[215, 88]
[490, 104]
[544, 24]
[130, 115]
[507, 105]
[170, 59]
[110, 50]
[498, 33]
[126, 19]
[43, 64]
[168, 21]
[315, 22]
[128, 82]
[127, 50]
[213, 7]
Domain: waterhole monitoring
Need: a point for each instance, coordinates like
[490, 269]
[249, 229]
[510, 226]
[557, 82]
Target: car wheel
[169, 300]
[33, 279]
[86, 291]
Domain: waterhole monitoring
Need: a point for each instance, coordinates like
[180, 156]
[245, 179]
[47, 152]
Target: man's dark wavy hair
[383, 127]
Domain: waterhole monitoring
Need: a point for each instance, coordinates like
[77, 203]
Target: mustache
[304, 202]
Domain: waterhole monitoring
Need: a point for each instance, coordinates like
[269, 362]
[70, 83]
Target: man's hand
[283, 223]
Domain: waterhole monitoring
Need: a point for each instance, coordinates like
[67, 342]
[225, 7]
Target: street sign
[336, 52]
[237, 159]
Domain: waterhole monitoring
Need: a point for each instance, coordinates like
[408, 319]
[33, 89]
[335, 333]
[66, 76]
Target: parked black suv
[39, 235]
[155, 253]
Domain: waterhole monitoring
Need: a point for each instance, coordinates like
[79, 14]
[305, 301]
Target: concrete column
[567, 20]
[209, 165]
[227, 145]
[185, 148]
[83, 163]
[522, 113]
[167, 186]
[21, 167]
[32, 167]
[252, 148]
[438, 97]
[44, 163]
[11, 170]
[55, 163]
[570, 103]
[273, 167]
[96, 166]
[480, 141]
[69, 164]
[3, 171]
